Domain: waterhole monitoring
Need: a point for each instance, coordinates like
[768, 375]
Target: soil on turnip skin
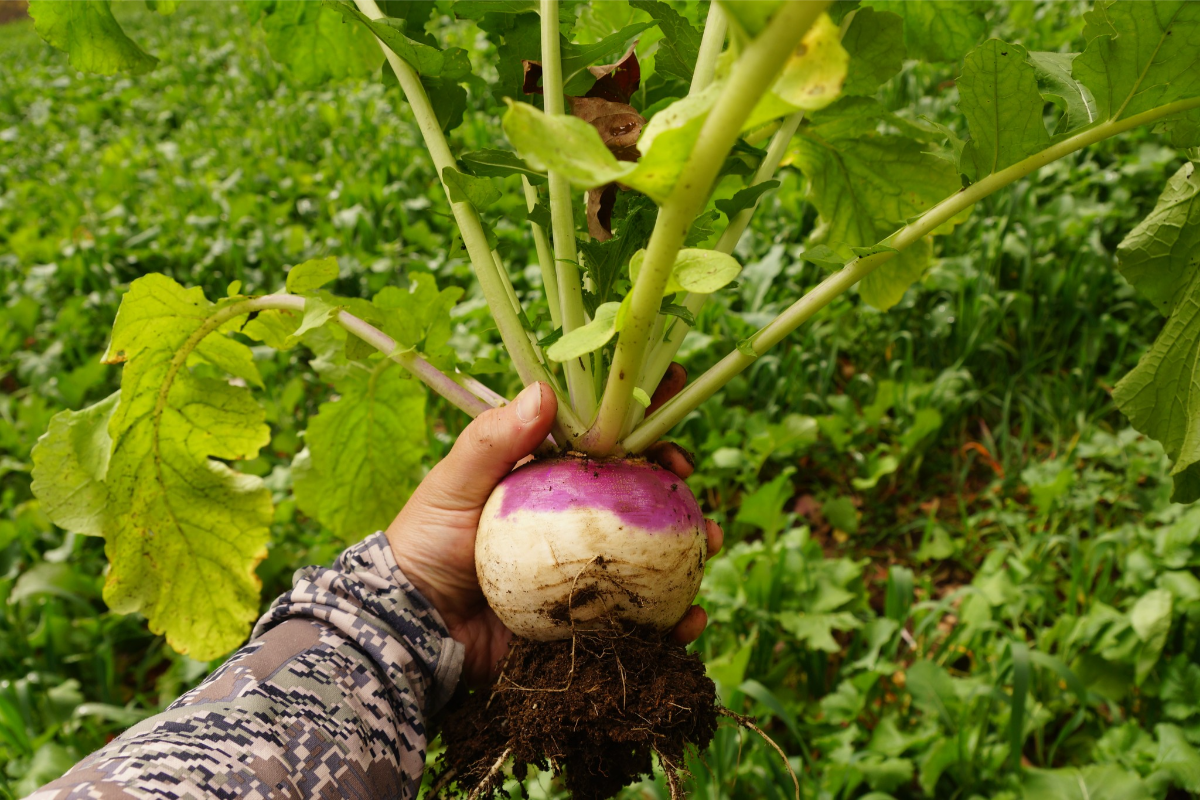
[593, 710]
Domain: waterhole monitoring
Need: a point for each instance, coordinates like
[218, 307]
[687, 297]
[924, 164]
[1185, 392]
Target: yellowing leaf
[70, 462]
[183, 531]
[813, 76]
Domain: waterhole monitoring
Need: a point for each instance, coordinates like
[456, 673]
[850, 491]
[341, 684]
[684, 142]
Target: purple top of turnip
[638, 493]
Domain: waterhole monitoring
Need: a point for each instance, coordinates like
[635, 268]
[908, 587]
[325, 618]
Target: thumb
[491, 446]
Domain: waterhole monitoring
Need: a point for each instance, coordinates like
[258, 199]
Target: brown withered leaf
[619, 125]
[617, 82]
[533, 77]
[600, 202]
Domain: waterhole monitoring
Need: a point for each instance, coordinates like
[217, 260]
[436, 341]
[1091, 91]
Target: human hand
[433, 537]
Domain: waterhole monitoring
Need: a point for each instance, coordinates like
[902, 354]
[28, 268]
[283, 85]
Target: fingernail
[529, 403]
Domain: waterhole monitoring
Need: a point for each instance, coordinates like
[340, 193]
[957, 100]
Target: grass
[948, 555]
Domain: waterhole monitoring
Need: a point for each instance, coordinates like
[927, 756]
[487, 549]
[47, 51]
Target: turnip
[575, 542]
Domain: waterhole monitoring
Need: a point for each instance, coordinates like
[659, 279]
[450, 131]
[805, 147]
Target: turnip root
[574, 543]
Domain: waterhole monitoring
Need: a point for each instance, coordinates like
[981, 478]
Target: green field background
[952, 569]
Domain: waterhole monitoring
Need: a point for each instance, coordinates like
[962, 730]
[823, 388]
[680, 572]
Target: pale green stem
[520, 349]
[506, 279]
[711, 45]
[460, 396]
[562, 219]
[545, 257]
[825, 292]
[664, 353]
[752, 75]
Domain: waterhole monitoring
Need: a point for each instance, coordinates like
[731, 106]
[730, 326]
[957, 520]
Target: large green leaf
[998, 94]
[316, 44]
[866, 184]
[183, 531]
[1160, 256]
[875, 42]
[90, 36]
[1160, 396]
[938, 30]
[1143, 54]
[365, 452]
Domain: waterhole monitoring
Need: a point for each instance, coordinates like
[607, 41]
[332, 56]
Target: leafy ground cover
[954, 572]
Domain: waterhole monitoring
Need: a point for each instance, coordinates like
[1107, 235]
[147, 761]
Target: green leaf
[183, 531]
[1150, 618]
[564, 144]
[886, 285]
[90, 36]
[312, 275]
[479, 192]
[865, 185]
[695, 270]
[640, 395]
[1059, 86]
[1180, 689]
[667, 141]
[419, 318]
[1160, 256]
[587, 338]
[606, 262]
[449, 100]
[751, 17]
[875, 44]
[817, 629]
[70, 462]
[932, 690]
[745, 198]
[1146, 54]
[1183, 130]
[493, 163]
[1159, 396]
[427, 61]
[1094, 782]
[365, 452]
[998, 94]
[680, 45]
[315, 44]
[474, 9]
[317, 312]
[576, 58]
[1178, 758]
[938, 30]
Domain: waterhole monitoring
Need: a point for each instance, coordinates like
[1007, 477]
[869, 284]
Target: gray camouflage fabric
[328, 700]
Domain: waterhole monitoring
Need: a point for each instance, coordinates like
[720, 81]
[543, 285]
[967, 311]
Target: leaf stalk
[752, 75]
[682, 404]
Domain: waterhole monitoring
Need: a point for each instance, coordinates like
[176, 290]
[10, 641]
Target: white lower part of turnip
[573, 543]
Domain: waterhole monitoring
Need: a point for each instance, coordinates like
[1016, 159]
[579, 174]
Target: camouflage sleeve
[328, 700]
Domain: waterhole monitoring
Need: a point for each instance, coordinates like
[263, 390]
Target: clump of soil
[594, 709]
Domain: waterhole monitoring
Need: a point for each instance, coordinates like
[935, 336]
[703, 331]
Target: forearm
[333, 692]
